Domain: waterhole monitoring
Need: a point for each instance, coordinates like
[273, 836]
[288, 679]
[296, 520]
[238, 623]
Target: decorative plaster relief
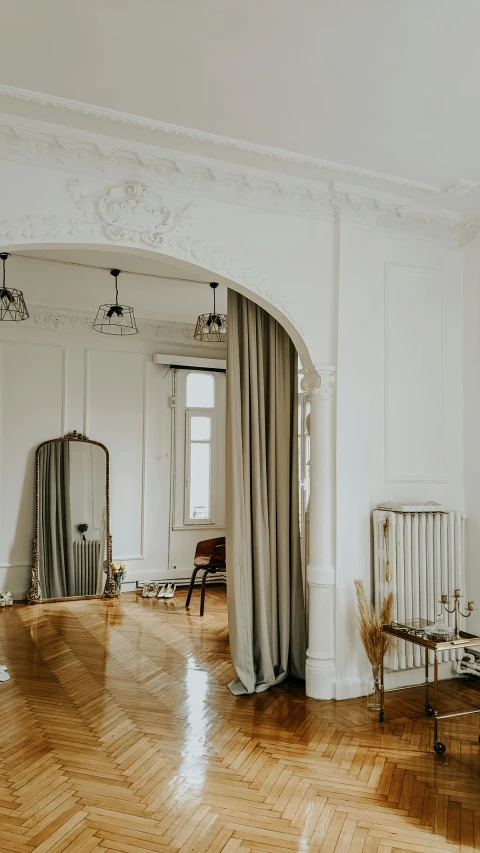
[30, 228]
[320, 383]
[128, 212]
[28, 142]
[134, 212]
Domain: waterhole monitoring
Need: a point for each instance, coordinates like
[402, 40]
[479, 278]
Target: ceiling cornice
[43, 144]
[71, 105]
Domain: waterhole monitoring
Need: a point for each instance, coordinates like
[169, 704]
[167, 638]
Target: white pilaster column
[320, 669]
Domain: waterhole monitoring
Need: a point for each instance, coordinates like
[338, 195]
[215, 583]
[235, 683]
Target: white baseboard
[351, 688]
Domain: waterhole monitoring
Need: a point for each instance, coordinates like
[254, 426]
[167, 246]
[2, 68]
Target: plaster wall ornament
[46, 145]
[131, 211]
[134, 212]
[320, 383]
[30, 228]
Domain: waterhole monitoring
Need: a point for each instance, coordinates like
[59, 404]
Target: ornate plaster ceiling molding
[37, 143]
[49, 146]
[74, 320]
[387, 212]
[125, 118]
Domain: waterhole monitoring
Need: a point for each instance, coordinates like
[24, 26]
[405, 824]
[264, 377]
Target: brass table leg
[438, 746]
[428, 707]
[381, 716]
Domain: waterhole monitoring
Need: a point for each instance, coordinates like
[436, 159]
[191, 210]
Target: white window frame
[212, 473]
[180, 488]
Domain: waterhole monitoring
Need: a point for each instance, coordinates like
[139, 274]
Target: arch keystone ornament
[131, 211]
[320, 674]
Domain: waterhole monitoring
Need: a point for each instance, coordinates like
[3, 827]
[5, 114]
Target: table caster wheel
[381, 717]
[429, 710]
[439, 747]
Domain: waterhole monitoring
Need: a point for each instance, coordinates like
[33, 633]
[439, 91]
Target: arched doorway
[318, 384]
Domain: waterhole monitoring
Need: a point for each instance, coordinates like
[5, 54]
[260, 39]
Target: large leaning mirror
[72, 548]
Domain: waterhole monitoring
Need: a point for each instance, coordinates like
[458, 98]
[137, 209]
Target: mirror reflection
[72, 519]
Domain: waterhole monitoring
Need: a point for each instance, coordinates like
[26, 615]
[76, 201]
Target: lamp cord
[3, 286]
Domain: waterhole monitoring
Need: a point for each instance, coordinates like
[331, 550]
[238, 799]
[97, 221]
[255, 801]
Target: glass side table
[410, 635]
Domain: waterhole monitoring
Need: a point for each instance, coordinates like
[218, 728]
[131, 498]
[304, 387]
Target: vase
[373, 695]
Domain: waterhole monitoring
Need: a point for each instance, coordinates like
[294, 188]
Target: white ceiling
[382, 85]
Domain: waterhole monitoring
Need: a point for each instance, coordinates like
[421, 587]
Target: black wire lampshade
[12, 303]
[115, 319]
[211, 327]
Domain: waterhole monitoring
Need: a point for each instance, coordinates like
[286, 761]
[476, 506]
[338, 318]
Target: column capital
[319, 383]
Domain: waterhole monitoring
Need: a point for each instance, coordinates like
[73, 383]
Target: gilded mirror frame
[110, 589]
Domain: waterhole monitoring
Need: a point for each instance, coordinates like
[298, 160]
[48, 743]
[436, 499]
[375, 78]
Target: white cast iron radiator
[86, 557]
[419, 555]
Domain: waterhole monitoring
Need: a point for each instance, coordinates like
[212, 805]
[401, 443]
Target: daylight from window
[200, 397]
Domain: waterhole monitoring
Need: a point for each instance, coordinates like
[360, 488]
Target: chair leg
[192, 584]
[202, 598]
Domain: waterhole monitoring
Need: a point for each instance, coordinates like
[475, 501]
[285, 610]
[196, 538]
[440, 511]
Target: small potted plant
[119, 572]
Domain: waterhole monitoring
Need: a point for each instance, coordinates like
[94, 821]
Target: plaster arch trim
[135, 219]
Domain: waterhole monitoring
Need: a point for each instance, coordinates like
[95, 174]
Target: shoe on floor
[171, 587]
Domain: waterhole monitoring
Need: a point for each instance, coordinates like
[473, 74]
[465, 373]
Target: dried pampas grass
[370, 623]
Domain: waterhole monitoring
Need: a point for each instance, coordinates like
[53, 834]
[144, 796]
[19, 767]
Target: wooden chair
[209, 558]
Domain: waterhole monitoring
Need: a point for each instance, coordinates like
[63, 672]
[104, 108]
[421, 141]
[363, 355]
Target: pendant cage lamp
[12, 303]
[115, 319]
[211, 327]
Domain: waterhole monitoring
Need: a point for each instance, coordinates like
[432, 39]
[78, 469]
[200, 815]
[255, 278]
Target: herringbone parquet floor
[118, 734]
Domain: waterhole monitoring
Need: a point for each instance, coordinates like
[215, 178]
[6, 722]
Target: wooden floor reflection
[118, 733]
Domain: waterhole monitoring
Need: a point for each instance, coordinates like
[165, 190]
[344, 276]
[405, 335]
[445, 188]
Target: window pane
[200, 429]
[199, 481]
[200, 391]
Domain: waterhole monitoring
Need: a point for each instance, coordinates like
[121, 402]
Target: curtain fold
[266, 607]
[55, 557]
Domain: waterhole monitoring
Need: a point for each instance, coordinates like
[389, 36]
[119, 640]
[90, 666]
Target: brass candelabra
[445, 600]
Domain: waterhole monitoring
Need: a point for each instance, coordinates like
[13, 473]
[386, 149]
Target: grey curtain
[55, 564]
[266, 609]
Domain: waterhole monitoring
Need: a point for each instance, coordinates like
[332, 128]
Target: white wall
[53, 380]
[399, 400]
[472, 425]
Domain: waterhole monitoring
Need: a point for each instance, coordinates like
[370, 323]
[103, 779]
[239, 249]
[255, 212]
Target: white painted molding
[133, 213]
[46, 145]
[125, 118]
[130, 211]
[320, 383]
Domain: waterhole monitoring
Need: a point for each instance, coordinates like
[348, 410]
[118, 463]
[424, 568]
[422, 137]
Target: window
[199, 470]
[200, 391]
[199, 466]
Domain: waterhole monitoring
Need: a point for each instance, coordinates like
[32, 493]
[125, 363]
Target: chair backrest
[211, 552]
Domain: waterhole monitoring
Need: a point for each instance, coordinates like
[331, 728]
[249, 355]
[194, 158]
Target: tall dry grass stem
[370, 623]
